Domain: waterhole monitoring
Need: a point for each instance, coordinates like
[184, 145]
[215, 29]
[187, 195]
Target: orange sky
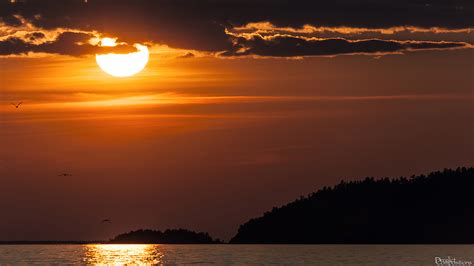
[207, 138]
[206, 143]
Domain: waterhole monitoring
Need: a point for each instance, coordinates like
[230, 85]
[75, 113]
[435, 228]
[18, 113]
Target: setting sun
[122, 65]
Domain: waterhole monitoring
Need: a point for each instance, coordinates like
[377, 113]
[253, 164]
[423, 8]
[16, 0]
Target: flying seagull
[16, 105]
[106, 221]
[65, 174]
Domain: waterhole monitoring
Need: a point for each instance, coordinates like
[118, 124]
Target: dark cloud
[67, 43]
[362, 13]
[265, 28]
[435, 45]
[286, 46]
[11, 20]
[37, 35]
[201, 24]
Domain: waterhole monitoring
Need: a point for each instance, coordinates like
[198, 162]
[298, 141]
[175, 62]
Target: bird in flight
[65, 174]
[106, 221]
[16, 105]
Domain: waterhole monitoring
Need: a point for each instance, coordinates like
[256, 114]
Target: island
[169, 236]
[430, 209]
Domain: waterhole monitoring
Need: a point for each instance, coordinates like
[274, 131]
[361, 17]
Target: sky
[242, 106]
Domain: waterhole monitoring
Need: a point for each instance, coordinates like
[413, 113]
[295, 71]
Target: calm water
[234, 254]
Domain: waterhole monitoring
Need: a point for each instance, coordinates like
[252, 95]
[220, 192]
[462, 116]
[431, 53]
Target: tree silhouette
[437, 208]
[170, 236]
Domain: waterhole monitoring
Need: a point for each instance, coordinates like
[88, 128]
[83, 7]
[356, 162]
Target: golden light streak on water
[123, 254]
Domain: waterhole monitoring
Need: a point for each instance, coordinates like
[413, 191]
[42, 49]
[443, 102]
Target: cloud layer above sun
[236, 28]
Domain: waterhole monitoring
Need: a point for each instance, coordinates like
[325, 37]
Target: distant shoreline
[47, 242]
[6, 243]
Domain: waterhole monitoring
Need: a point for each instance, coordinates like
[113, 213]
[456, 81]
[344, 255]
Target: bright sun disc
[122, 65]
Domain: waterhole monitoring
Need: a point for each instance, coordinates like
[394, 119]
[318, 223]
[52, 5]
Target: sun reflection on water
[123, 254]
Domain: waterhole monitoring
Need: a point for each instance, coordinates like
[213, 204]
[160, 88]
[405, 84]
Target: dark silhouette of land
[433, 208]
[51, 242]
[437, 208]
[170, 236]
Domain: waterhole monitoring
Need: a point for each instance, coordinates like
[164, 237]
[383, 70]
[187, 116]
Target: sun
[122, 65]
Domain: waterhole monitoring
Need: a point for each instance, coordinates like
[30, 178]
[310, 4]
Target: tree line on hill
[433, 208]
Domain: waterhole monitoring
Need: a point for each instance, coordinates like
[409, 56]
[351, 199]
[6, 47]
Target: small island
[169, 236]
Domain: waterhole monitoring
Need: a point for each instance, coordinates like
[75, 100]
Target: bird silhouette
[16, 105]
[106, 221]
[65, 174]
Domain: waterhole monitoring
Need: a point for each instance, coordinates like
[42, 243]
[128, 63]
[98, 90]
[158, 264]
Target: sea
[107, 254]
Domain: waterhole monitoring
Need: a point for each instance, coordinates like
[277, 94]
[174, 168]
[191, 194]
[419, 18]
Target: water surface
[234, 254]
